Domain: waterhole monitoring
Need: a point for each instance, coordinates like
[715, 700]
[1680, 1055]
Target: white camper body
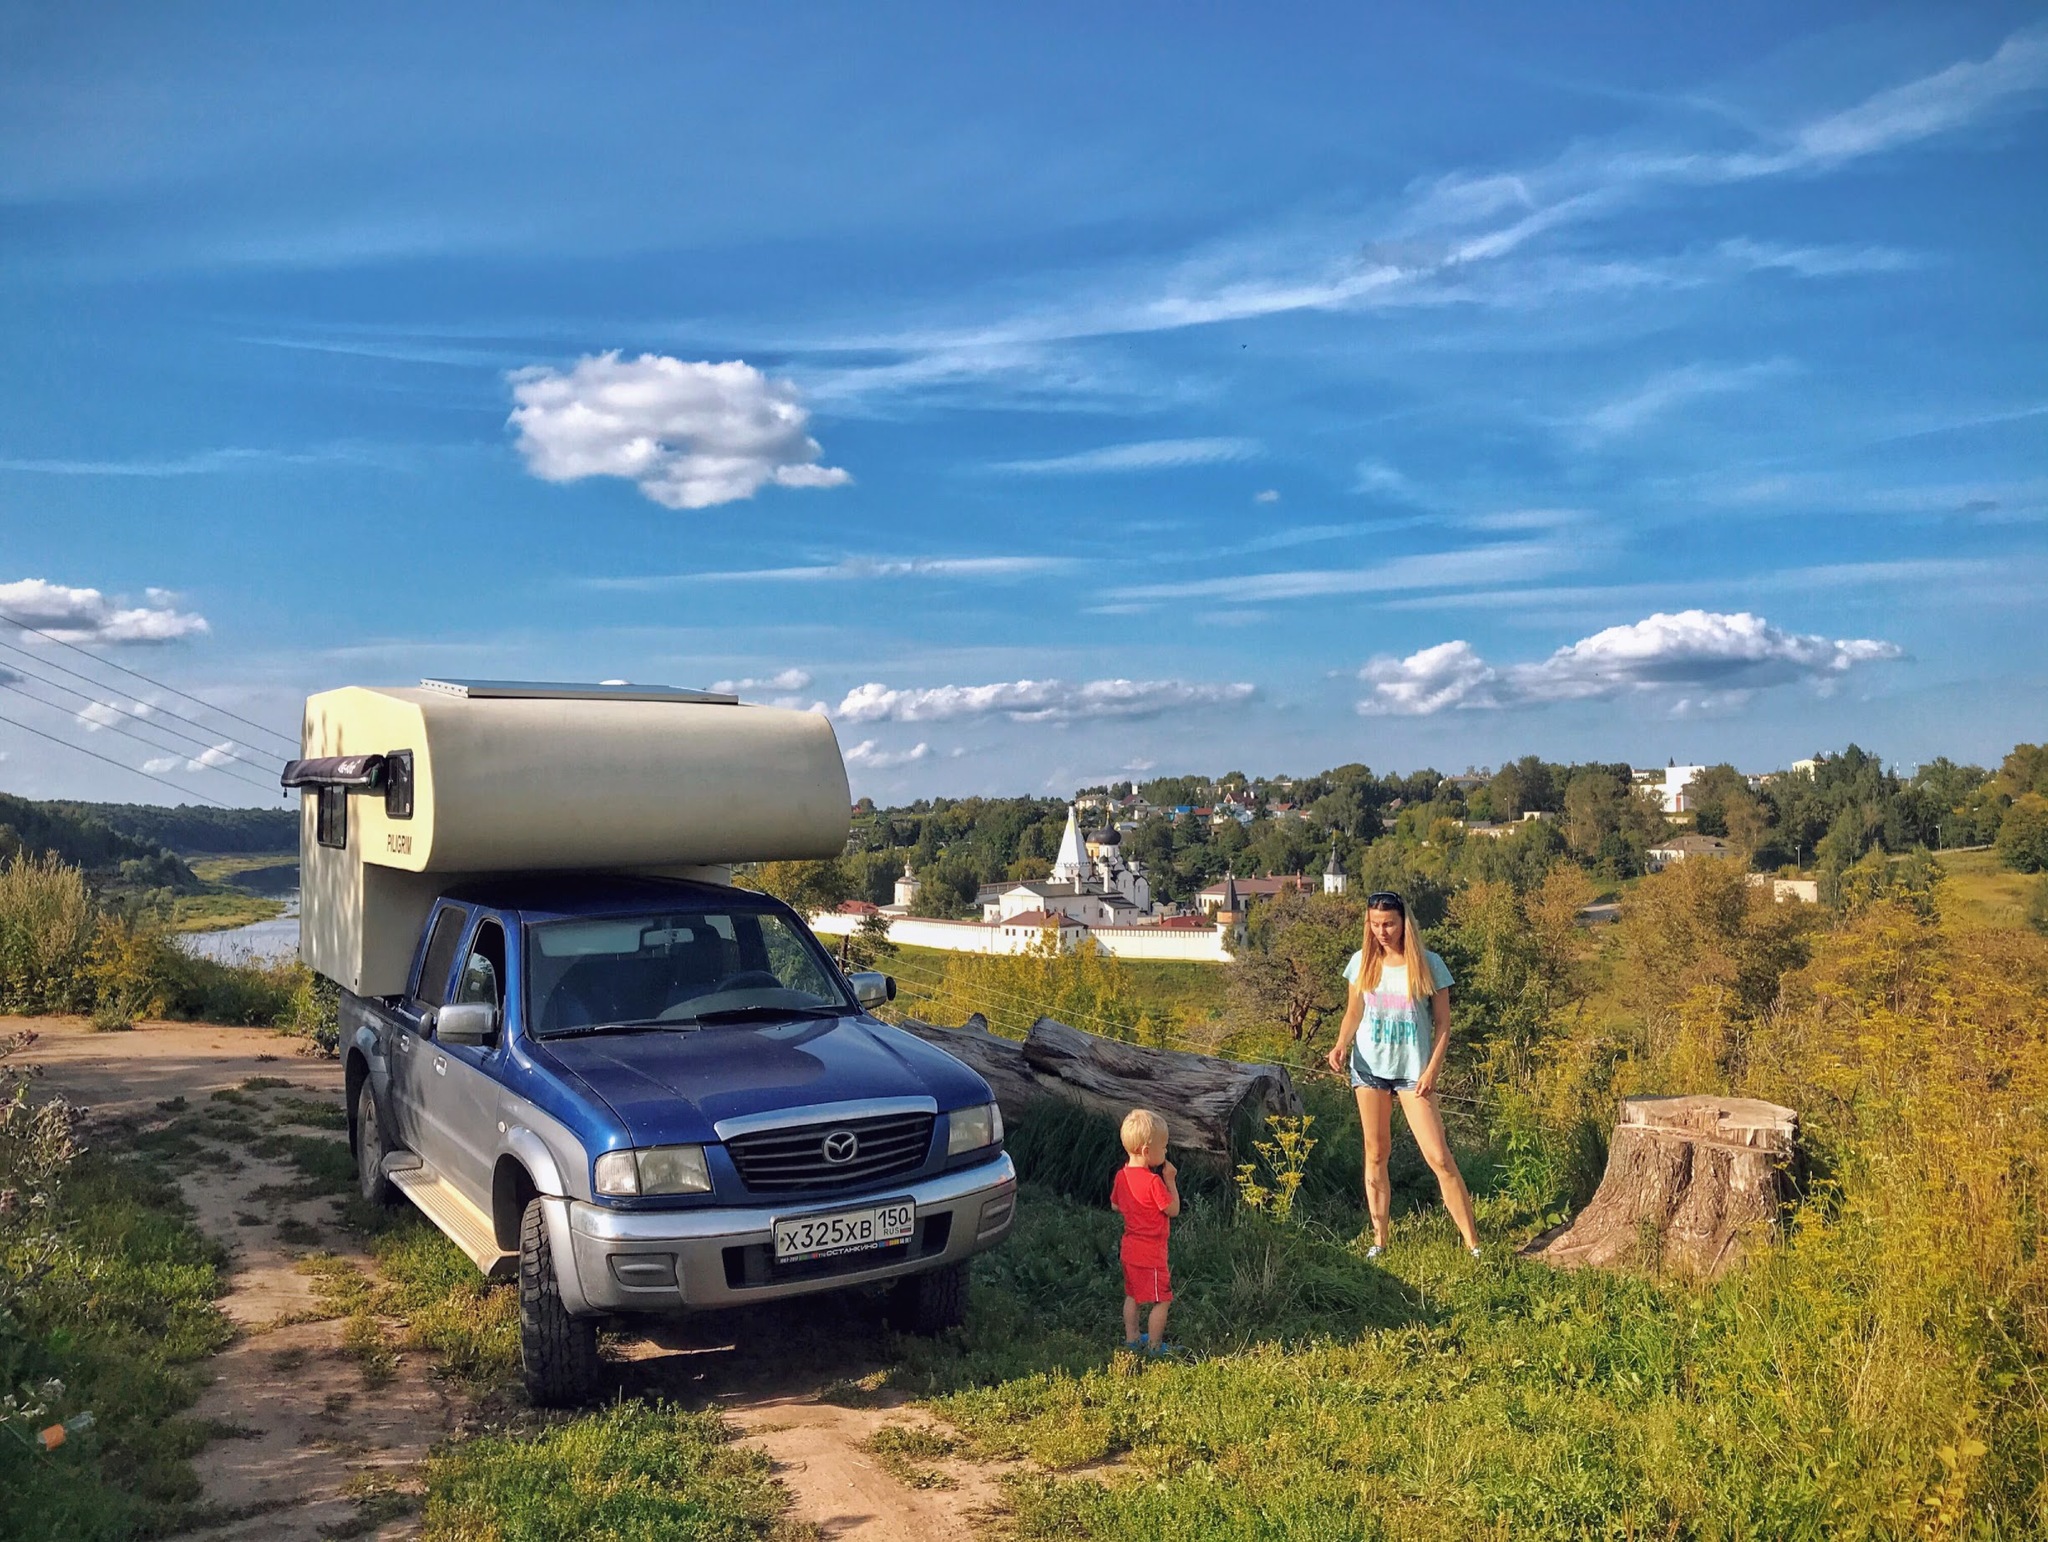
[410, 790]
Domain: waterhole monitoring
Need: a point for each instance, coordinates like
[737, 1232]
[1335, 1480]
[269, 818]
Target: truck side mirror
[466, 1022]
[871, 988]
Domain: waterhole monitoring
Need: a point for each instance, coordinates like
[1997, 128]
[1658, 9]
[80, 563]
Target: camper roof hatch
[557, 690]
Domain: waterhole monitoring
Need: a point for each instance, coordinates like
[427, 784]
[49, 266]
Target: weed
[264, 1083]
[293, 1232]
[632, 1471]
[1284, 1160]
[126, 1310]
[310, 1114]
[174, 1105]
[898, 1448]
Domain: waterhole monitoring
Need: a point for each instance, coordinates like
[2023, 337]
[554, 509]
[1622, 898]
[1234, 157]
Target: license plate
[845, 1231]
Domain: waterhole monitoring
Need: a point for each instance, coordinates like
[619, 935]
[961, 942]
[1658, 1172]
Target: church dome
[1110, 837]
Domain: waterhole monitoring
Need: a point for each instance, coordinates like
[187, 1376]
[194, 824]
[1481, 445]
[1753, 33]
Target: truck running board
[465, 1225]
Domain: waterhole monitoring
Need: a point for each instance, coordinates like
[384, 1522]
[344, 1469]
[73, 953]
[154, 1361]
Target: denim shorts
[1381, 1083]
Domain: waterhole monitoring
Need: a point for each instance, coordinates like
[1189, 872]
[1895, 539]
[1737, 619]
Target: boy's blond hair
[1141, 1129]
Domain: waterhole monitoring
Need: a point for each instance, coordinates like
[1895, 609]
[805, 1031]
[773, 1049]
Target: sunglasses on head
[1385, 899]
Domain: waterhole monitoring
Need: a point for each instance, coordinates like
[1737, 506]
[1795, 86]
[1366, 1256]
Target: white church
[1093, 892]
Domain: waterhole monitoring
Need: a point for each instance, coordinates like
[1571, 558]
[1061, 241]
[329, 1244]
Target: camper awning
[335, 771]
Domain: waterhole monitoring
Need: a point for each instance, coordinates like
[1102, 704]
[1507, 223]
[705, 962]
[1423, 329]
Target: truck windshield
[685, 969]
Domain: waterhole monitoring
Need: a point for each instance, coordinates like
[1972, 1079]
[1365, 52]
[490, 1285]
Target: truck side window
[441, 946]
[483, 973]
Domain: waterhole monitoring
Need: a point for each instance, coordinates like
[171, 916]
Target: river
[260, 942]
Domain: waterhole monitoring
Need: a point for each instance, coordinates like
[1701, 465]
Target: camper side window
[398, 785]
[441, 946]
[332, 819]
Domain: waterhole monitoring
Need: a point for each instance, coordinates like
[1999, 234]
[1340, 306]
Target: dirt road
[324, 1455]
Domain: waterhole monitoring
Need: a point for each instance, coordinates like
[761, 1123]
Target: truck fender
[537, 1159]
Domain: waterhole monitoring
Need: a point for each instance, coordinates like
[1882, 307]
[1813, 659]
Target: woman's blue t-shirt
[1394, 1031]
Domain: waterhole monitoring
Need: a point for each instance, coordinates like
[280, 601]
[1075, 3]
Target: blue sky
[1049, 394]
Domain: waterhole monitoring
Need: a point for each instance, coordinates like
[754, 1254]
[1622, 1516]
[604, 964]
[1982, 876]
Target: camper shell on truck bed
[590, 1060]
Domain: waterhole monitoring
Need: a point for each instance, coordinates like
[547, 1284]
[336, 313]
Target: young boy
[1146, 1195]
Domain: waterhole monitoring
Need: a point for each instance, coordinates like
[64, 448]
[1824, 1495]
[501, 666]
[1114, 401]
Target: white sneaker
[1375, 1250]
[1473, 1251]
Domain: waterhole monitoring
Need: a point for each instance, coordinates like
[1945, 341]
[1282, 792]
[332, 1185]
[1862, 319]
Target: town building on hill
[1211, 899]
[1669, 785]
[1334, 879]
[1091, 882]
[1682, 848]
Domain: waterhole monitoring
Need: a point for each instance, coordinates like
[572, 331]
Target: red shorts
[1143, 1282]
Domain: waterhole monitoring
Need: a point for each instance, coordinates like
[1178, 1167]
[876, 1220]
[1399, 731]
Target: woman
[1397, 1025]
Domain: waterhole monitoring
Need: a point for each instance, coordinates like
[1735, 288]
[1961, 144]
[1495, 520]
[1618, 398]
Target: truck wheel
[557, 1352]
[930, 1303]
[370, 1149]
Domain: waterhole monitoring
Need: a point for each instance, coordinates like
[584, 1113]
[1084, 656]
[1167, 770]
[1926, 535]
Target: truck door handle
[440, 1065]
[405, 1044]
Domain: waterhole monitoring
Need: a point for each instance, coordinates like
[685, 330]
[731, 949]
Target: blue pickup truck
[646, 1096]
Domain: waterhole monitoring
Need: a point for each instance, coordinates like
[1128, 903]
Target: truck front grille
[784, 1161]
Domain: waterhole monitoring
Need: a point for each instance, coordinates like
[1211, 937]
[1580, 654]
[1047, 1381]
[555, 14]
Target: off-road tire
[557, 1352]
[370, 1150]
[930, 1303]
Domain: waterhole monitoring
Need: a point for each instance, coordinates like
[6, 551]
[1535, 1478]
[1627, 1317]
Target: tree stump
[1690, 1182]
[1199, 1096]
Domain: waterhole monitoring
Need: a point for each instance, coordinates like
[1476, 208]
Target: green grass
[1193, 990]
[1982, 892]
[221, 910]
[124, 1322]
[260, 872]
[634, 1473]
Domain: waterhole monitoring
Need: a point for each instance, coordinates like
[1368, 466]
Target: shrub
[2023, 834]
[46, 936]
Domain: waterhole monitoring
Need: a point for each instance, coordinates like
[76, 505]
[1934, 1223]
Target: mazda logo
[841, 1147]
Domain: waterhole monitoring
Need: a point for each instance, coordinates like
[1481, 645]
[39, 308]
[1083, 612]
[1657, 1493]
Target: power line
[102, 685]
[224, 747]
[121, 765]
[247, 781]
[137, 674]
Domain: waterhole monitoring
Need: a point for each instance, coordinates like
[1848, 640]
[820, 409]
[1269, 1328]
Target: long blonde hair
[1421, 979]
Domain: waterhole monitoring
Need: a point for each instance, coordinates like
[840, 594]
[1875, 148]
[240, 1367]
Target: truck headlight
[656, 1170]
[969, 1129]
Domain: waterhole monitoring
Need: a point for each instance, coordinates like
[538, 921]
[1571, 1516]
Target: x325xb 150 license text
[844, 1231]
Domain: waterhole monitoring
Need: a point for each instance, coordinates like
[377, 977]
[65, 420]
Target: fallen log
[1690, 1182]
[1200, 1097]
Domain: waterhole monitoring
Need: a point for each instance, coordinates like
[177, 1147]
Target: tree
[2023, 834]
[806, 887]
[868, 944]
[1292, 974]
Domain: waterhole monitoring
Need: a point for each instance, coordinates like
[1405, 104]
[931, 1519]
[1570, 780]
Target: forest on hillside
[1411, 831]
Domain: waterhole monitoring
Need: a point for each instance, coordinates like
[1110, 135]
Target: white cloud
[1266, 495]
[866, 756]
[1702, 659]
[783, 680]
[212, 759]
[1450, 674]
[851, 569]
[1035, 701]
[1151, 455]
[689, 435]
[156, 765]
[88, 616]
[1673, 388]
[1508, 561]
[96, 715]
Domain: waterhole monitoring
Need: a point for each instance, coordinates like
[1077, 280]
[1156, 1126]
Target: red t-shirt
[1139, 1196]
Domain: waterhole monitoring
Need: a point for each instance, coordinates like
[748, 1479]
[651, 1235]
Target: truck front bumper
[656, 1261]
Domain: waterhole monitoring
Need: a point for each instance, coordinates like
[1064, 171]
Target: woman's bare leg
[1428, 1128]
[1376, 1118]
